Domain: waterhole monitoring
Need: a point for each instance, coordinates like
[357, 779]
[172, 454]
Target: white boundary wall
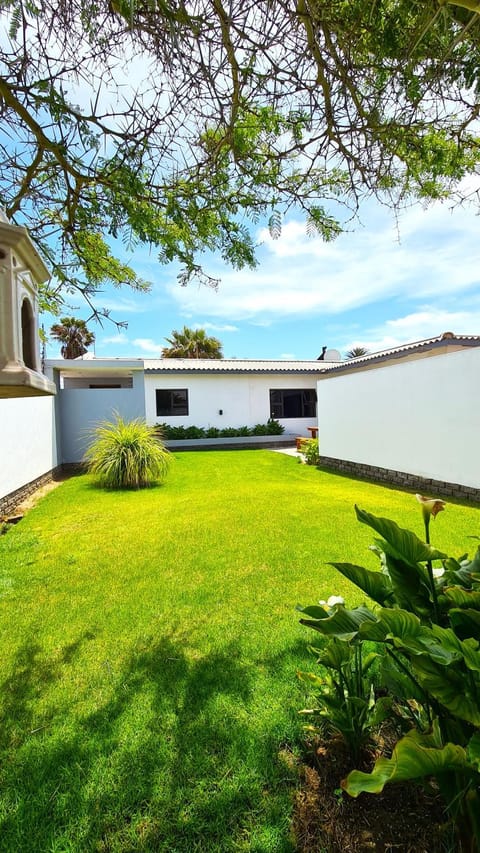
[28, 441]
[421, 417]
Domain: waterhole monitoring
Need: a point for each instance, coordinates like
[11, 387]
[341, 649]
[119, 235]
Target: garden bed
[403, 818]
[252, 441]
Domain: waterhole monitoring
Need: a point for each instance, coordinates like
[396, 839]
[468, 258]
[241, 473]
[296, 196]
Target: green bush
[194, 432]
[127, 454]
[179, 433]
[346, 702]
[310, 451]
[275, 427]
[427, 621]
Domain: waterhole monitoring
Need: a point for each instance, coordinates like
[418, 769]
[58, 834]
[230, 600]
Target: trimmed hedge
[177, 433]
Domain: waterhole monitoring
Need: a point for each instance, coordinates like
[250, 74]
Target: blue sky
[385, 282]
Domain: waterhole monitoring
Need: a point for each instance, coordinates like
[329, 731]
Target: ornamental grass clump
[127, 454]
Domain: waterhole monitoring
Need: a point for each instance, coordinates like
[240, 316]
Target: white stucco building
[409, 415]
[183, 392]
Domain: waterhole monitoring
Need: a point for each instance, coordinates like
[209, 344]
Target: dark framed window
[293, 403]
[172, 402]
[104, 386]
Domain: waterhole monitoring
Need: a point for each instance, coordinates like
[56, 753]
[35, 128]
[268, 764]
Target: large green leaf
[376, 585]
[468, 649]
[400, 683]
[414, 757]
[461, 597]
[314, 610]
[335, 654]
[343, 623]
[473, 750]
[449, 686]
[401, 543]
[400, 624]
[464, 571]
[465, 621]
[411, 585]
[472, 566]
[441, 644]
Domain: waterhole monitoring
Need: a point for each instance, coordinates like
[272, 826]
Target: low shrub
[179, 433]
[127, 454]
[275, 427]
[310, 451]
[194, 432]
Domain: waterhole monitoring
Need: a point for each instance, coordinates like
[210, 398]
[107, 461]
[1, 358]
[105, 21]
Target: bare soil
[402, 819]
[32, 500]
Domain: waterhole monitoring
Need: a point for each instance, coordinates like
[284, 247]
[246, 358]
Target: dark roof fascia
[411, 352]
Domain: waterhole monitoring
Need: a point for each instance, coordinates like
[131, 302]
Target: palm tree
[73, 335]
[357, 352]
[192, 343]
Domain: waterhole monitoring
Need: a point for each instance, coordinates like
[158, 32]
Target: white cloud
[121, 338]
[148, 345]
[438, 255]
[215, 327]
[416, 326]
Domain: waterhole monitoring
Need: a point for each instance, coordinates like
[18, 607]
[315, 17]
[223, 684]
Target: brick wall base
[410, 482]
[10, 502]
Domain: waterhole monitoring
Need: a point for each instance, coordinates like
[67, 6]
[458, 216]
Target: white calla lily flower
[437, 573]
[335, 599]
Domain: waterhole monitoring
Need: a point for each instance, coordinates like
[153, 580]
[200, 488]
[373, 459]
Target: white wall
[28, 446]
[421, 417]
[81, 409]
[243, 398]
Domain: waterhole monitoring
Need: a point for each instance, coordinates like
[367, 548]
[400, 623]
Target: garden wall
[28, 447]
[81, 409]
[419, 417]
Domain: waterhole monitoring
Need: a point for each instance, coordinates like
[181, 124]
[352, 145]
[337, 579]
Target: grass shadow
[173, 760]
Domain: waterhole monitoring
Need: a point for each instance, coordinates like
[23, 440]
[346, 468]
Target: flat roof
[230, 365]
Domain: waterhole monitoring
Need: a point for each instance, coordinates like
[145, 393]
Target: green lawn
[149, 649]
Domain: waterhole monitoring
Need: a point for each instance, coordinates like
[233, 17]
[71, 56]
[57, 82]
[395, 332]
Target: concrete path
[290, 451]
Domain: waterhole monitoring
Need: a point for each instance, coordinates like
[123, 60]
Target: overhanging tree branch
[227, 113]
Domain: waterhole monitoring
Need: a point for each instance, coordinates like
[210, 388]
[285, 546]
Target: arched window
[28, 336]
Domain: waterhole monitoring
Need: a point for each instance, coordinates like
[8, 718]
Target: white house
[183, 392]
[409, 415]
